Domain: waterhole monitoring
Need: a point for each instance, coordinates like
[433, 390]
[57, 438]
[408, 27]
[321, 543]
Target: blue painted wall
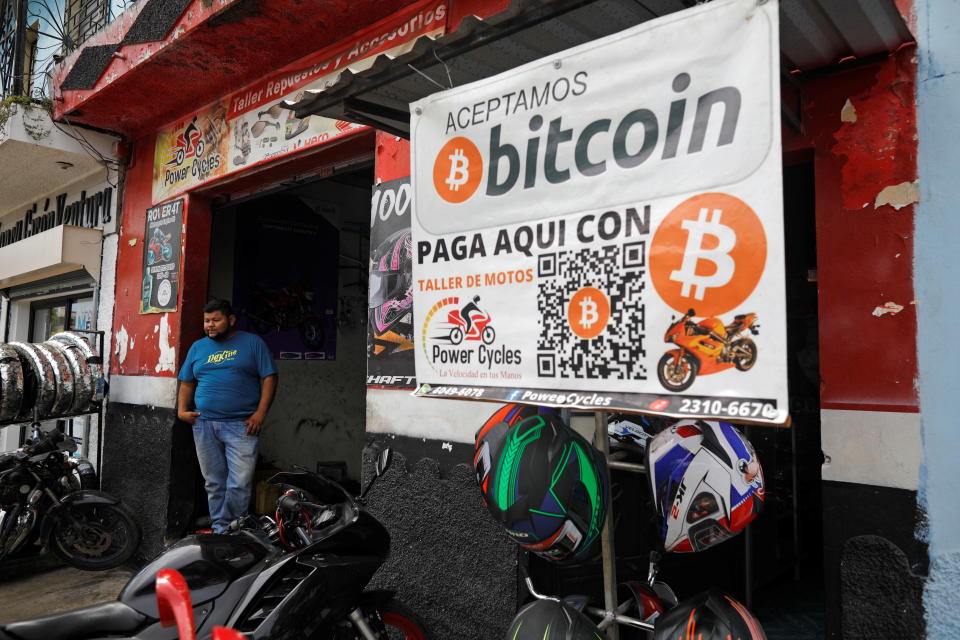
[938, 291]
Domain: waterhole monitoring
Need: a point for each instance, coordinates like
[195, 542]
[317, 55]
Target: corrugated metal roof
[813, 34]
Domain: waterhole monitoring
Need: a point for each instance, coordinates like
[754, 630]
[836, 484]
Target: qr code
[617, 352]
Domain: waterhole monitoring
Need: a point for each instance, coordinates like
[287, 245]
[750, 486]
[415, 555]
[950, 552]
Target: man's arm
[185, 401]
[268, 388]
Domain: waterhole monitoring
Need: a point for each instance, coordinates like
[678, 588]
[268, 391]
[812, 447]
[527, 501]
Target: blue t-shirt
[228, 374]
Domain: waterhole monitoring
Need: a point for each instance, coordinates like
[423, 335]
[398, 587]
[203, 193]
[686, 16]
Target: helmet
[647, 602]
[707, 483]
[391, 286]
[711, 615]
[541, 481]
[552, 620]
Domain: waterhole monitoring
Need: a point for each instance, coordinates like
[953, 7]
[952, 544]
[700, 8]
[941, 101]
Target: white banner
[603, 228]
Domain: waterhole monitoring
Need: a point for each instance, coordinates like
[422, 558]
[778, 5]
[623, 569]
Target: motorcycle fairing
[208, 562]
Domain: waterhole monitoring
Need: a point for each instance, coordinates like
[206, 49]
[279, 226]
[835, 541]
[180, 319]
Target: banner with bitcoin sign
[602, 229]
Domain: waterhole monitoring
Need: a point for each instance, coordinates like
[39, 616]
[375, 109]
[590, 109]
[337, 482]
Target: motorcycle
[299, 575]
[706, 347]
[479, 330]
[48, 494]
[286, 308]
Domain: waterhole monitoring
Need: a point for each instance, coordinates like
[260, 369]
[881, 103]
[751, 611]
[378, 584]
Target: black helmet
[552, 620]
[542, 481]
[711, 615]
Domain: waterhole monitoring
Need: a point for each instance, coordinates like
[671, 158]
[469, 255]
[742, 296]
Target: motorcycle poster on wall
[286, 278]
[161, 257]
[593, 233]
[390, 315]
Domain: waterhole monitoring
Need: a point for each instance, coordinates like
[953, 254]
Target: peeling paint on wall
[889, 307]
[167, 352]
[898, 195]
[121, 349]
[849, 112]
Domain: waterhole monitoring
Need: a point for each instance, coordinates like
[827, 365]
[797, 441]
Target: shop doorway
[776, 566]
[294, 260]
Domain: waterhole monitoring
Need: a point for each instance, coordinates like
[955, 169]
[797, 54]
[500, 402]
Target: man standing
[231, 379]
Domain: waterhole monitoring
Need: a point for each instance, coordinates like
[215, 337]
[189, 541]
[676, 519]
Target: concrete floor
[40, 585]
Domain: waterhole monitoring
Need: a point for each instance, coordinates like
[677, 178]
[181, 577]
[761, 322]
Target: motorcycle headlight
[670, 338]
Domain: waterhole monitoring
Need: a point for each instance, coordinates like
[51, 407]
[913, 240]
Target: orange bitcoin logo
[708, 254]
[457, 170]
[588, 312]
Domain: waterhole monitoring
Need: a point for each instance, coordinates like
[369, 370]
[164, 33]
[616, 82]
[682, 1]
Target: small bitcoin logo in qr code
[592, 315]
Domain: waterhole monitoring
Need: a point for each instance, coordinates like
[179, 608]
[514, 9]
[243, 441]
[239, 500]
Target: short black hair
[216, 304]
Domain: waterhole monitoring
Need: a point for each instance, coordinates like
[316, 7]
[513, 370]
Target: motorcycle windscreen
[323, 490]
[209, 563]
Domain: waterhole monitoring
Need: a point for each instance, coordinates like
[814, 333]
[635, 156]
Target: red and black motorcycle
[290, 307]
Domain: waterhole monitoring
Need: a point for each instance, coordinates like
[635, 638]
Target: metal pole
[601, 442]
[19, 47]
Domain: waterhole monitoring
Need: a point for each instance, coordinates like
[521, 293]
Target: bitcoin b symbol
[457, 170]
[720, 255]
[709, 253]
[588, 312]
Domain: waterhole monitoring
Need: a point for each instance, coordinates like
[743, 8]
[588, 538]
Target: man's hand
[188, 416]
[255, 423]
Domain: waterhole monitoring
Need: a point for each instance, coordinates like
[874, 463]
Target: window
[48, 317]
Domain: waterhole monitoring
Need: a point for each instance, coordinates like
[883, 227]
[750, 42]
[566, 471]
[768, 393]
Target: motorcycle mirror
[383, 461]
[691, 312]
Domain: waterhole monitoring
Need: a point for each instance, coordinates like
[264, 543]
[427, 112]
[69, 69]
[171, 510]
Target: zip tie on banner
[426, 76]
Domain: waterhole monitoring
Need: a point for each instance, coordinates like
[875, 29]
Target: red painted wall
[864, 252]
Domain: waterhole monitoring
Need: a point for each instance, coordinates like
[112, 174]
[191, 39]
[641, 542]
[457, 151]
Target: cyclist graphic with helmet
[466, 312]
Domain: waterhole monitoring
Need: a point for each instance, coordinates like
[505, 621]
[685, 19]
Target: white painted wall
[872, 447]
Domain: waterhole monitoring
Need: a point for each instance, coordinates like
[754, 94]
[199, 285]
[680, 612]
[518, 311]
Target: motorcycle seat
[108, 618]
[7, 460]
[740, 317]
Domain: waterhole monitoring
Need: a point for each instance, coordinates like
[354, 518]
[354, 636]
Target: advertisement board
[254, 125]
[602, 228]
[390, 314]
[161, 257]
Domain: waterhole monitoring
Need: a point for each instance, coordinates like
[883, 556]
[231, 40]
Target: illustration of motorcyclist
[467, 311]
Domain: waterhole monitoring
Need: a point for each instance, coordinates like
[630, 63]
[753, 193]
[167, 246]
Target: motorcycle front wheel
[401, 623]
[94, 537]
[677, 376]
[746, 350]
[24, 531]
[312, 333]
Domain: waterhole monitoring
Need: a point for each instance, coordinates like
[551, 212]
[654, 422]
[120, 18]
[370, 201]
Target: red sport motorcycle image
[289, 307]
[471, 323]
[706, 347]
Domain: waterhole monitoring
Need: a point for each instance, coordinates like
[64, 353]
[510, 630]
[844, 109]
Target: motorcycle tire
[24, 534]
[312, 333]
[402, 623]
[456, 335]
[108, 537]
[745, 363]
[691, 366]
[488, 335]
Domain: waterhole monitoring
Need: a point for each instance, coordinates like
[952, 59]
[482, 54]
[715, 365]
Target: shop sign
[92, 209]
[602, 229]
[390, 339]
[253, 126]
[161, 257]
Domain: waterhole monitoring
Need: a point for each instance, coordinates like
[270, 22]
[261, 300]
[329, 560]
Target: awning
[814, 33]
[54, 252]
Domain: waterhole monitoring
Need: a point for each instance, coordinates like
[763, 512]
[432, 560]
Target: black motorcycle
[298, 576]
[47, 493]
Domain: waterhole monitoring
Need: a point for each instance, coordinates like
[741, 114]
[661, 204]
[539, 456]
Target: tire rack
[96, 408]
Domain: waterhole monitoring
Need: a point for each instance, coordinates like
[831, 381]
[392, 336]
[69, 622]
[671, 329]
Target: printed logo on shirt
[221, 356]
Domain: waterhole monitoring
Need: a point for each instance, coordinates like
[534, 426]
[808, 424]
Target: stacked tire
[57, 378]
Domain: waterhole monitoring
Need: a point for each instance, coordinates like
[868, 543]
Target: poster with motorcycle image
[161, 257]
[286, 277]
[597, 234]
[390, 315]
